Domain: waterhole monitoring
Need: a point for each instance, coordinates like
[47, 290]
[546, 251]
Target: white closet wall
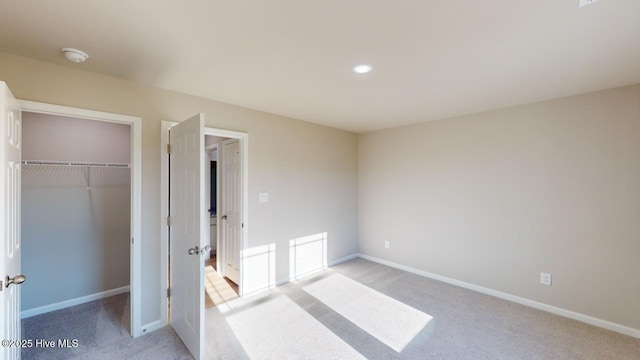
[75, 238]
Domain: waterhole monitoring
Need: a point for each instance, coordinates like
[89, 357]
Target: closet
[76, 196]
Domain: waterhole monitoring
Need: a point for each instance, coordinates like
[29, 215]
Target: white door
[231, 220]
[10, 222]
[187, 212]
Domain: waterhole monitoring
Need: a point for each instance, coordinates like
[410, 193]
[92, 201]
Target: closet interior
[76, 203]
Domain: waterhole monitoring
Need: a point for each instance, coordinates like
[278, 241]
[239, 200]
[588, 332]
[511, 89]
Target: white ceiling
[432, 59]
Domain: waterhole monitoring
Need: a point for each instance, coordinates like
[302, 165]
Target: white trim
[136, 190]
[516, 299]
[72, 302]
[164, 213]
[153, 326]
[59, 110]
[330, 264]
[164, 195]
[343, 259]
[136, 229]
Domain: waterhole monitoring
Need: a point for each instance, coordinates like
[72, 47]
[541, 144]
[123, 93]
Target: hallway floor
[218, 290]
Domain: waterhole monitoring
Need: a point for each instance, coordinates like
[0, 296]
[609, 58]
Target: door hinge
[132, 241]
[168, 148]
[168, 220]
[168, 292]
[1, 285]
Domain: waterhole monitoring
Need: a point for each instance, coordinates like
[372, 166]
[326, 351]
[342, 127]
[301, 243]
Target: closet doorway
[80, 217]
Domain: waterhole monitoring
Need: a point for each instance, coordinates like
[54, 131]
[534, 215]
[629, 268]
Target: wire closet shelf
[73, 163]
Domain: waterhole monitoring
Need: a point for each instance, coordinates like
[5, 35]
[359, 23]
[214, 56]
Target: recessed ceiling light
[362, 69]
[75, 55]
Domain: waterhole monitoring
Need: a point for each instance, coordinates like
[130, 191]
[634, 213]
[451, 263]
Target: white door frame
[136, 192]
[164, 197]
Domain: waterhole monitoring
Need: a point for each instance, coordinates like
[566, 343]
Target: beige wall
[61, 138]
[494, 199]
[309, 170]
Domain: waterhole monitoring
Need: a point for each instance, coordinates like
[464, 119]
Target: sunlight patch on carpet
[388, 320]
[280, 329]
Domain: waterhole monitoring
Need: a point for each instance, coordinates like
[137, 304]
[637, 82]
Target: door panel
[10, 168]
[232, 204]
[188, 213]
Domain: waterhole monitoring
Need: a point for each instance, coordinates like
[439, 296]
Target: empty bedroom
[446, 179]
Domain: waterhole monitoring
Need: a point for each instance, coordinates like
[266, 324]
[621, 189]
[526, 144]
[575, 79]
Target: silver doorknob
[17, 280]
[194, 251]
[224, 217]
[205, 249]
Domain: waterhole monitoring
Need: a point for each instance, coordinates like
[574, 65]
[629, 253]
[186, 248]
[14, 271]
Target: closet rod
[71, 163]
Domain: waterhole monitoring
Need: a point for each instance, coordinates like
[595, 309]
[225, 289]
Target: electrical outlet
[386, 244]
[263, 197]
[545, 279]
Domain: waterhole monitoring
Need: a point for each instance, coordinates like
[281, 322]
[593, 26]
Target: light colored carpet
[102, 330]
[465, 324]
[279, 329]
[388, 320]
[290, 322]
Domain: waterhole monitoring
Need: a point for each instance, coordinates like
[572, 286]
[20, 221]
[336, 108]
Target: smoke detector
[75, 55]
[586, 2]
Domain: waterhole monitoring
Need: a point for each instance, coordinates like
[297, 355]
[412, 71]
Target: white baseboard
[151, 327]
[516, 299]
[72, 302]
[343, 259]
[285, 280]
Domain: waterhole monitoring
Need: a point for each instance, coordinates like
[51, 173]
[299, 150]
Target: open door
[10, 138]
[231, 219]
[187, 244]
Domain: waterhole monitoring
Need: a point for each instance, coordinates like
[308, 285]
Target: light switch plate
[263, 197]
